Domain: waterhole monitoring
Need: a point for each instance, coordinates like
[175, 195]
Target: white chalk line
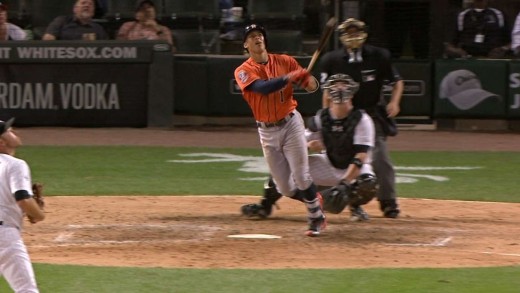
[439, 242]
[498, 253]
[66, 238]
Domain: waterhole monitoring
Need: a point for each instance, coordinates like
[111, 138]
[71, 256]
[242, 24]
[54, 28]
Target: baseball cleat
[315, 226]
[358, 214]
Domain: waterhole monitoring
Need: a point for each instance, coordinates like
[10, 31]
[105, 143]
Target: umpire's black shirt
[372, 73]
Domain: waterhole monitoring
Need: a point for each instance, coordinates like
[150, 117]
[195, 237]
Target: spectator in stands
[481, 31]
[100, 8]
[78, 26]
[9, 31]
[145, 27]
[404, 20]
[231, 24]
[515, 36]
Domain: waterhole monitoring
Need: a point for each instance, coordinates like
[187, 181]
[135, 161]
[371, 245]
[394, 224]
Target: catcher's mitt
[365, 189]
[37, 189]
[336, 198]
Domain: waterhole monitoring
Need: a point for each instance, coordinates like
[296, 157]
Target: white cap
[462, 87]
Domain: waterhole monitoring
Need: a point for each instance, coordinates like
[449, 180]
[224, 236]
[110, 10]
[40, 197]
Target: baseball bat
[327, 32]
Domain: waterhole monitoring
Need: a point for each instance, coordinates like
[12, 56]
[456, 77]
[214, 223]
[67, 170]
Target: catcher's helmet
[254, 27]
[341, 87]
[349, 39]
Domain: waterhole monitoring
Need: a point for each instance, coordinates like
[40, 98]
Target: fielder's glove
[37, 189]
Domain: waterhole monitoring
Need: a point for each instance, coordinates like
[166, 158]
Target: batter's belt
[280, 122]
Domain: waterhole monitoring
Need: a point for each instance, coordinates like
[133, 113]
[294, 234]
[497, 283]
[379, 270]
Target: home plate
[255, 236]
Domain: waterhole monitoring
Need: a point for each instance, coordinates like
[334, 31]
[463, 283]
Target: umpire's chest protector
[338, 137]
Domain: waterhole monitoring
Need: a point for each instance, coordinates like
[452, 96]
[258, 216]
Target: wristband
[357, 162]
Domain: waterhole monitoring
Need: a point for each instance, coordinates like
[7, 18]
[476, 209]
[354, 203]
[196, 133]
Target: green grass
[79, 279]
[494, 181]
[145, 170]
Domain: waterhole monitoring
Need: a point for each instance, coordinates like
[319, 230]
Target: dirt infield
[191, 232]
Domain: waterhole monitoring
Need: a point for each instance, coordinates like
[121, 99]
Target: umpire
[372, 68]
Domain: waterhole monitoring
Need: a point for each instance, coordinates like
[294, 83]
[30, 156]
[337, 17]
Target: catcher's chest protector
[338, 137]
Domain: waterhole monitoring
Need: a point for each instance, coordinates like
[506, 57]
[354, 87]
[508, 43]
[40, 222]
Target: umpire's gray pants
[383, 169]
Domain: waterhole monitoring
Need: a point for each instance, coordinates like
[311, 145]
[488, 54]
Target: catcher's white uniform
[322, 171]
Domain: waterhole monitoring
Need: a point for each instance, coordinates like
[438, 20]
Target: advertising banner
[71, 95]
[513, 103]
[471, 88]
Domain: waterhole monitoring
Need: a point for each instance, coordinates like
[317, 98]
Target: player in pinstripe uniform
[15, 202]
[266, 81]
[341, 139]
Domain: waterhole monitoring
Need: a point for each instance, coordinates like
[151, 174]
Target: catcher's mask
[352, 38]
[255, 27]
[341, 87]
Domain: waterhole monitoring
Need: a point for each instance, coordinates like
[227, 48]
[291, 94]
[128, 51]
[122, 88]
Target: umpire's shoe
[389, 208]
[358, 214]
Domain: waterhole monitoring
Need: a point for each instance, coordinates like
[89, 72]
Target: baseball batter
[371, 67]
[266, 81]
[342, 139]
[15, 201]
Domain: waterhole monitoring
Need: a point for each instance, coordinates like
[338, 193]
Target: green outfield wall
[141, 84]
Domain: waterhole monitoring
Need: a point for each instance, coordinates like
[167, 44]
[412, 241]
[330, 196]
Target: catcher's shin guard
[265, 207]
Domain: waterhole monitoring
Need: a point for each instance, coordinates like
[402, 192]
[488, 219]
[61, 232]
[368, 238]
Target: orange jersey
[276, 105]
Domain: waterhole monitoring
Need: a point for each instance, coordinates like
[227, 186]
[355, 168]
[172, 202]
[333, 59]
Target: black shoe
[389, 208]
[255, 210]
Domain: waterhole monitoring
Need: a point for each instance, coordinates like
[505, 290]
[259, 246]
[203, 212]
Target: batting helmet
[255, 27]
[341, 87]
[352, 40]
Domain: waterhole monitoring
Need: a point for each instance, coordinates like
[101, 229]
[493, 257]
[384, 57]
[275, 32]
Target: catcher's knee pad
[365, 189]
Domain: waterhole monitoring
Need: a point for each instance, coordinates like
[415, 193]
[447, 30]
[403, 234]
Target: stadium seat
[125, 9]
[264, 9]
[196, 42]
[285, 41]
[42, 12]
[192, 8]
[279, 14]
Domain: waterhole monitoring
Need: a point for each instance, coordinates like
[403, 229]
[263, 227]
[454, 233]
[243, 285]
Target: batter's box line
[439, 242]
[498, 253]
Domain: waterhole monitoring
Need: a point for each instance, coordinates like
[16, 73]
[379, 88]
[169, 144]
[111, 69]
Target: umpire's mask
[352, 33]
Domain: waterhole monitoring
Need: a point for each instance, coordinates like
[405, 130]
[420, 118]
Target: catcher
[342, 140]
[16, 200]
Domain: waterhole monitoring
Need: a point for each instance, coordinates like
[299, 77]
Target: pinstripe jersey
[15, 175]
[273, 106]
